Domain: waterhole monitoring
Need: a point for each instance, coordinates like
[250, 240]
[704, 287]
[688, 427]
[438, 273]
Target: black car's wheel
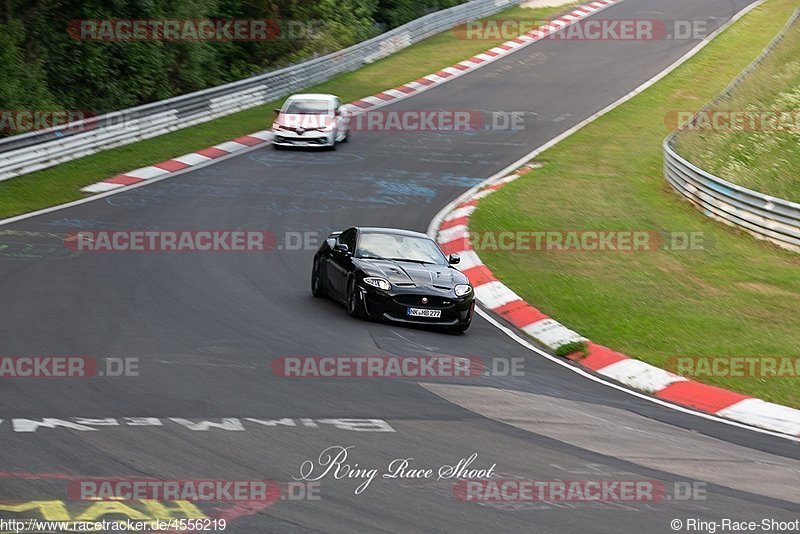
[460, 328]
[355, 307]
[316, 281]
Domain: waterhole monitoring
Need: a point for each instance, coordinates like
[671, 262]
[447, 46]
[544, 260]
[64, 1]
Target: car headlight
[276, 126]
[328, 128]
[380, 283]
[463, 289]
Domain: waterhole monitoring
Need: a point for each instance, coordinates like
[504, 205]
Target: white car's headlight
[462, 289]
[327, 128]
[380, 283]
[276, 126]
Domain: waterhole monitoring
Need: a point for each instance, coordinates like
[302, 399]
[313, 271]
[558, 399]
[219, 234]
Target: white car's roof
[312, 96]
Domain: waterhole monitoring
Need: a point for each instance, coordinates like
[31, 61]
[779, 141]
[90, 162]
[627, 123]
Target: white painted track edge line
[441, 213]
[420, 90]
[143, 183]
[437, 220]
[473, 66]
[586, 374]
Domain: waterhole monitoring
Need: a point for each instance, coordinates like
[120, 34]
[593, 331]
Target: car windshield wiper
[423, 262]
[370, 258]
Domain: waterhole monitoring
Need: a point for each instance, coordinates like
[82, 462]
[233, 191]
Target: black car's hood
[404, 273]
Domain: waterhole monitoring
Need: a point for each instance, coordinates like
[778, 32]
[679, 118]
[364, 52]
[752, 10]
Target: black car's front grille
[396, 308]
[417, 300]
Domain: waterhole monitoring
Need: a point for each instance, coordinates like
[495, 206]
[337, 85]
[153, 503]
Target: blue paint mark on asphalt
[402, 188]
[460, 181]
[328, 192]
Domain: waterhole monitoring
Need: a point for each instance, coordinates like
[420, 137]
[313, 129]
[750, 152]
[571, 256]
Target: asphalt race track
[206, 327]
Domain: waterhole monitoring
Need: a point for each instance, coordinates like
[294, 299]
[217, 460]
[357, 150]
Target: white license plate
[421, 312]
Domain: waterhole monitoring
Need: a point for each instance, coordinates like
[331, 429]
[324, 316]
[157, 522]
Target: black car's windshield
[308, 107]
[399, 248]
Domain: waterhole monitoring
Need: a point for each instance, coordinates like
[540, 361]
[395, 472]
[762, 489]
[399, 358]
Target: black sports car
[394, 275]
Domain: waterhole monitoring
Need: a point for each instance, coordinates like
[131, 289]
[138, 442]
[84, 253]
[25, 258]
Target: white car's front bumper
[312, 138]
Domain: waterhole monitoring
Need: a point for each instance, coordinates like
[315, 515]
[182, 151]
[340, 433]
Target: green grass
[62, 183]
[766, 161]
[738, 297]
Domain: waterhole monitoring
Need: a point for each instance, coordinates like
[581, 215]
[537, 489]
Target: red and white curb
[180, 163]
[479, 60]
[453, 236]
[202, 157]
[490, 292]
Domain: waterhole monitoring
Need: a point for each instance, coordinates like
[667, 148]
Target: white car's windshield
[311, 107]
[400, 248]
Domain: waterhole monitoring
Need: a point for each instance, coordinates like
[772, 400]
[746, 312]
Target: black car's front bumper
[393, 306]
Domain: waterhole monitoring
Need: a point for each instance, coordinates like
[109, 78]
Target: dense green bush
[45, 68]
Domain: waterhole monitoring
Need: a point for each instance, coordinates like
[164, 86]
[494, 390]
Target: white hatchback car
[315, 120]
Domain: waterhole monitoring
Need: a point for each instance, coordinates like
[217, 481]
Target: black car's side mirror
[341, 247]
[454, 259]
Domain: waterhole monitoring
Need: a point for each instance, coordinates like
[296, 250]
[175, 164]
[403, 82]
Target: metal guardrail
[764, 216]
[33, 151]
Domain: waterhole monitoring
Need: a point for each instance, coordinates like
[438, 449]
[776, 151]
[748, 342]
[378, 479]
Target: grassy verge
[62, 183]
[736, 297]
[766, 161]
